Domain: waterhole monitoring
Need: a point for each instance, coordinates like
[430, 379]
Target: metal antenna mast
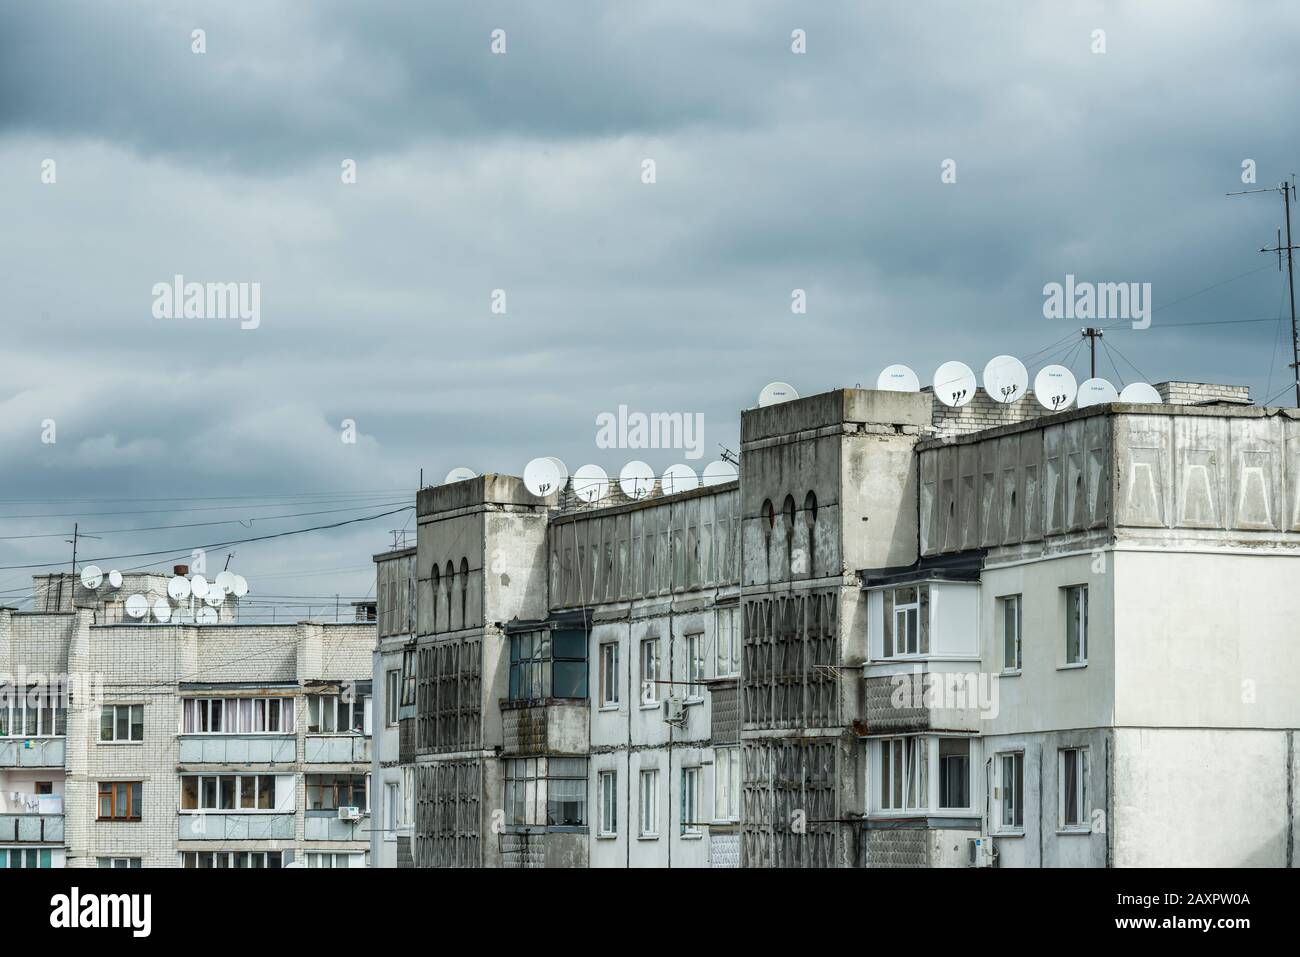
[1092, 334]
[1288, 195]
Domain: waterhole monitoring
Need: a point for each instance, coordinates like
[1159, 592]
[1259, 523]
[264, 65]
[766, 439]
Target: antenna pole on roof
[1288, 195]
[1092, 334]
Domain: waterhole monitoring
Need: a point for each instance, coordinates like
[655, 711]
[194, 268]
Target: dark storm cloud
[521, 172]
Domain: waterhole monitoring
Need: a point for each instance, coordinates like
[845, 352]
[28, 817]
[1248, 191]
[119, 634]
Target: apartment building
[142, 743]
[909, 635]
[393, 681]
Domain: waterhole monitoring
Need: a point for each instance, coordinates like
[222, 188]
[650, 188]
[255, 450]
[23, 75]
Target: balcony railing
[31, 828]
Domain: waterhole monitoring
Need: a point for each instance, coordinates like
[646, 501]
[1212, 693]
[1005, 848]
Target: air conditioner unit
[673, 710]
[980, 852]
[349, 814]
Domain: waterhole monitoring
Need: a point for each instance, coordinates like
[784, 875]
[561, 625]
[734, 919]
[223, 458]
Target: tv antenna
[1092, 334]
[1288, 196]
[73, 542]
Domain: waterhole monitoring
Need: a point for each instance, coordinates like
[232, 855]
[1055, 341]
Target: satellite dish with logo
[459, 475]
[1005, 379]
[1055, 388]
[591, 483]
[679, 478]
[214, 597]
[719, 473]
[137, 606]
[161, 610]
[1096, 392]
[115, 579]
[774, 393]
[954, 384]
[241, 587]
[542, 476]
[91, 577]
[199, 586]
[178, 588]
[637, 480]
[1140, 392]
[226, 582]
[898, 378]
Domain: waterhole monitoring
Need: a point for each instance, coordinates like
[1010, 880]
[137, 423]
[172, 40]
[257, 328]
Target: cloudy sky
[523, 172]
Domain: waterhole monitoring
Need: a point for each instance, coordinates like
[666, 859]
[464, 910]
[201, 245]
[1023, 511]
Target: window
[548, 664]
[546, 791]
[695, 667]
[39, 857]
[408, 677]
[609, 675]
[120, 862]
[229, 859]
[338, 714]
[1076, 625]
[322, 859]
[392, 696]
[904, 774]
[690, 823]
[121, 722]
[726, 784]
[232, 792]
[728, 634]
[607, 790]
[35, 711]
[1074, 787]
[392, 810]
[650, 803]
[119, 800]
[907, 625]
[1009, 609]
[237, 715]
[328, 792]
[954, 773]
[650, 671]
[1013, 789]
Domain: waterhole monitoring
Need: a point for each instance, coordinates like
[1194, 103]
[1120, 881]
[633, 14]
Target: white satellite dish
[637, 480]
[775, 393]
[161, 610]
[679, 478]
[1142, 392]
[459, 475]
[1096, 392]
[898, 378]
[1055, 387]
[542, 476]
[226, 582]
[91, 577]
[563, 469]
[591, 483]
[137, 606]
[214, 597]
[954, 384]
[241, 587]
[199, 586]
[719, 473]
[1006, 379]
[206, 616]
[178, 588]
[183, 614]
[115, 579]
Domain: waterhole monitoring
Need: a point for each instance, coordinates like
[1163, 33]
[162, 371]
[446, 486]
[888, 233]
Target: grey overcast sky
[522, 172]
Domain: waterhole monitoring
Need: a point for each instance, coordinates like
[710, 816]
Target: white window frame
[129, 708]
[1010, 791]
[648, 804]
[690, 803]
[231, 856]
[727, 660]
[726, 785]
[907, 756]
[392, 809]
[609, 696]
[118, 863]
[260, 784]
[203, 706]
[695, 667]
[607, 803]
[650, 672]
[1011, 617]
[1080, 789]
[345, 713]
[1079, 621]
[392, 696]
[938, 773]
